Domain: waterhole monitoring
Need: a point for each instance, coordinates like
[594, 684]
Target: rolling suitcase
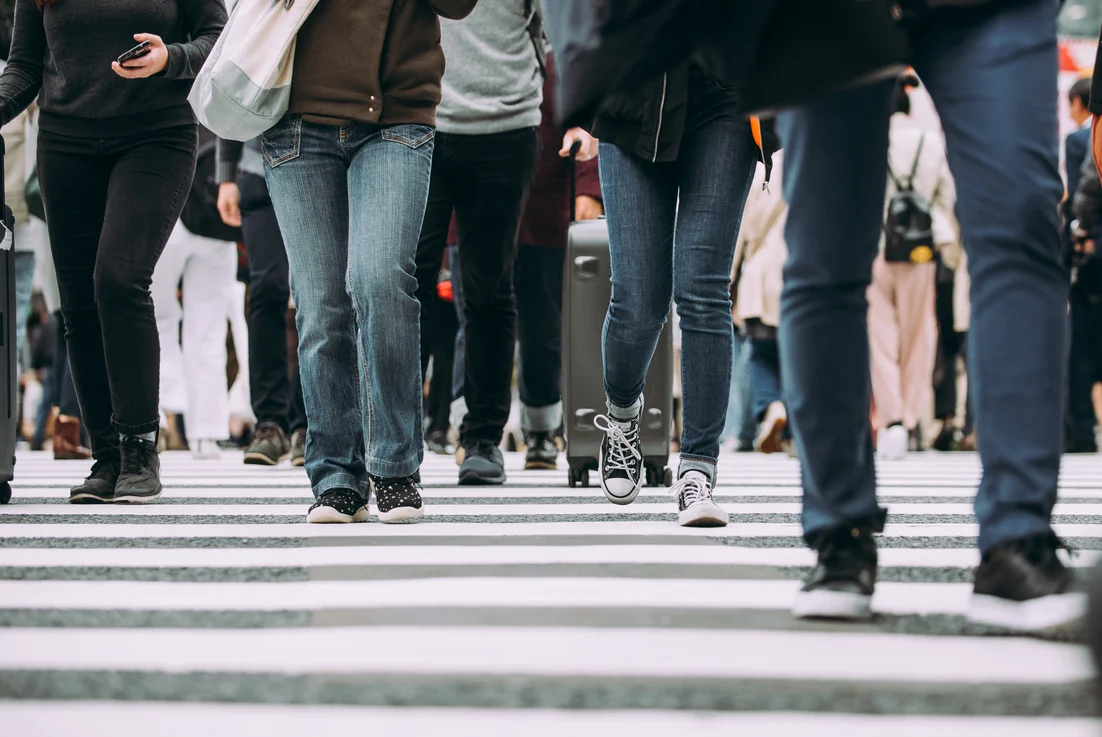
[9, 380]
[587, 290]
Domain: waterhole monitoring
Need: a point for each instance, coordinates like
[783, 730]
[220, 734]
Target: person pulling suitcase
[9, 412]
[677, 159]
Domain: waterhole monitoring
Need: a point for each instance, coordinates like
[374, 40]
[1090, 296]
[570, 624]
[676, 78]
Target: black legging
[110, 207]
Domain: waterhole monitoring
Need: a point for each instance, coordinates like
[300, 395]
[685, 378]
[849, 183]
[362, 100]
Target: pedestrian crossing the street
[531, 608]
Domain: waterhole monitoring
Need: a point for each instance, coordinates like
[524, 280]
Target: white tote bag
[244, 87]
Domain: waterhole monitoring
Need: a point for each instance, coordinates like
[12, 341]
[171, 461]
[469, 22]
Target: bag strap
[918, 158]
[536, 33]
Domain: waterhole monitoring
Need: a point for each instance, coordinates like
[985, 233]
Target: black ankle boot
[140, 476]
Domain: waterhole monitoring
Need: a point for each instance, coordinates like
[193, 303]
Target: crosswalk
[530, 609]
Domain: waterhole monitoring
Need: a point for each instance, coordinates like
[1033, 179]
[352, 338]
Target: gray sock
[625, 414]
[148, 436]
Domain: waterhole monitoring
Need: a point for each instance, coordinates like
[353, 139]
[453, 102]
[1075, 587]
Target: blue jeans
[350, 201]
[992, 75]
[672, 230]
[24, 285]
[765, 375]
[738, 404]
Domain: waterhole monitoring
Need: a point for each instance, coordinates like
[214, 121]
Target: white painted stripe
[106, 719]
[551, 651]
[474, 529]
[890, 598]
[492, 510]
[441, 555]
[648, 496]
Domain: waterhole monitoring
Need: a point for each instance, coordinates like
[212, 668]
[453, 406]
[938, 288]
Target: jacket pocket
[282, 142]
[410, 134]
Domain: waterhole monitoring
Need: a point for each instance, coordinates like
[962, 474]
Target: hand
[229, 204]
[144, 66]
[1096, 142]
[588, 143]
[587, 208]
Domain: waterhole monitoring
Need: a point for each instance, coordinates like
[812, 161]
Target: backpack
[200, 215]
[908, 229]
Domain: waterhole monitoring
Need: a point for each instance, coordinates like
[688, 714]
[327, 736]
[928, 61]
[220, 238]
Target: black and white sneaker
[337, 506]
[398, 499]
[694, 500]
[1023, 586]
[621, 465]
[841, 585]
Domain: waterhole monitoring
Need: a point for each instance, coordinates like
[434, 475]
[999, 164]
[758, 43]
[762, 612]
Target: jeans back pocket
[410, 134]
[283, 141]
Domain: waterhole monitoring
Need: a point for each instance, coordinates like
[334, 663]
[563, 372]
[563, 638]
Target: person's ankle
[625, 414]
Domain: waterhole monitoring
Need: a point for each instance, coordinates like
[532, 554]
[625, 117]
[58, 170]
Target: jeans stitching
[387, 135]
[296, 149]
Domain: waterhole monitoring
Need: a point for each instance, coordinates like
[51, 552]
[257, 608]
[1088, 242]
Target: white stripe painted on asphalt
[476, 529]
[549, 651]
[105, 719]
[891, 597]
[442, 555]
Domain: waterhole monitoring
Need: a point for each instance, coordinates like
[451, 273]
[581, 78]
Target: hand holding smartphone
[135, 53]
[148, 58]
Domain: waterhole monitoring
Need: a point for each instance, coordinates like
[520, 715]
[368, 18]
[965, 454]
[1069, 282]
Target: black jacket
[649, 121]
[606, 46]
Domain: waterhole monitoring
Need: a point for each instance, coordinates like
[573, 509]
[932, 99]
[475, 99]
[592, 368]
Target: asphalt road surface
[530, 609]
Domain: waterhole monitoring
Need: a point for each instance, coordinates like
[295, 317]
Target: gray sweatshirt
[493, 82]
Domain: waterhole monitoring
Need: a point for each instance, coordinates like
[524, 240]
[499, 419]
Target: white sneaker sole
[1047, 614]
[617, 499]
[330, 516]
[401, 514]
[826, 604]
[125, 499]
[704, 514]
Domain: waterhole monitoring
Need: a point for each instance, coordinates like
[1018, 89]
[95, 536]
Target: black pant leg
[538, 281]
[269, 294]
[500, 169]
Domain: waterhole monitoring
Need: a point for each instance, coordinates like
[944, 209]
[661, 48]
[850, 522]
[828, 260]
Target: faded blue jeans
[992, 74]
[672, 231]
[350, 202]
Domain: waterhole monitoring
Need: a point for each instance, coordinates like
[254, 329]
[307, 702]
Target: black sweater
[62, 54]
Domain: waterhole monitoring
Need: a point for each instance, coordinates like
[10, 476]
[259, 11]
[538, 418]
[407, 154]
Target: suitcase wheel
[659, 476]
[578, 477]
[5, 493]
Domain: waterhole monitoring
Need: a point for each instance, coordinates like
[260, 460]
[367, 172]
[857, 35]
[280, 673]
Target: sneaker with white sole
[842, 583]
[892, 443]
[695, 504]
[621, 463]
[398, 499]
[771, 435]
[205, 449]
[337, 506]
[1023, 586]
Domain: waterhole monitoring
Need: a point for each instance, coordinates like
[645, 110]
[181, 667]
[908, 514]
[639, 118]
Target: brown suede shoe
[67, 445]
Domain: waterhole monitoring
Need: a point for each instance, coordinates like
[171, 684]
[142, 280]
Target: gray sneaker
[99, 487]
[140, 472]
[298, 447]
[483, 465]
[269, 446]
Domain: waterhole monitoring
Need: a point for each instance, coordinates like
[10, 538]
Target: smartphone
[135, 53]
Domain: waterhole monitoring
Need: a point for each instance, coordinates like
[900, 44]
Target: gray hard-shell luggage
[587, 290]
[9, 378]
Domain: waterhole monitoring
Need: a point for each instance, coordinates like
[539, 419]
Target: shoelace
[133, 455]
[692, 489]
[621, 449]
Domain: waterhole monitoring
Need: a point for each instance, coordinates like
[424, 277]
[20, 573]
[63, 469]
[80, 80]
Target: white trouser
[240, 402]
[193, 382]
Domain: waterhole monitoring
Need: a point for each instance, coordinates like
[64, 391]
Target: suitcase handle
[574, 148]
